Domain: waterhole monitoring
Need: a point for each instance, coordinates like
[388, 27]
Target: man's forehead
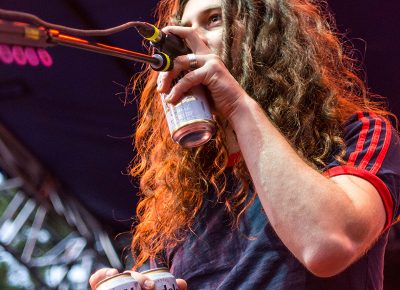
[195, 8]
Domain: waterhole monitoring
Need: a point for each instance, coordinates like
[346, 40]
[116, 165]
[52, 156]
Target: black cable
[34, 20]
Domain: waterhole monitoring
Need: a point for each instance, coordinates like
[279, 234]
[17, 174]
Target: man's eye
[214, 20]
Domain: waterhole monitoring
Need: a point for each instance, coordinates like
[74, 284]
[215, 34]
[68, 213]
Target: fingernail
[148, 284]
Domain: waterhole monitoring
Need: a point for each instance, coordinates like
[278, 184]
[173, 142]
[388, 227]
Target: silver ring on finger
[193, 64]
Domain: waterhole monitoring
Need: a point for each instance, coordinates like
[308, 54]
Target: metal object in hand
[193, 64]
[123, 281]
[162, 278]
[190, 121]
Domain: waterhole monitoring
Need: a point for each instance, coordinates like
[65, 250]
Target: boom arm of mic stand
[17, 33]
[57, 38]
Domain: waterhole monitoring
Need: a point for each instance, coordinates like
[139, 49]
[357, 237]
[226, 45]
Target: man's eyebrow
[202, 13]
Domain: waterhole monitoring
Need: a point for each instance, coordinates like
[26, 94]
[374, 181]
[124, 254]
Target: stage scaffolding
[47, 239]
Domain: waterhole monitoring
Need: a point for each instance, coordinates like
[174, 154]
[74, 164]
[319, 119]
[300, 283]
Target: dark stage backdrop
[372, 26]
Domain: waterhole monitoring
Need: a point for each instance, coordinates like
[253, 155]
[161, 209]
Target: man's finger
[101, 275]
[182, 285]
[191, 38]
[190, 80]
[144, 281]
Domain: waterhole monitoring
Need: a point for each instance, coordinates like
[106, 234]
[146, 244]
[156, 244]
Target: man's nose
[201, 33]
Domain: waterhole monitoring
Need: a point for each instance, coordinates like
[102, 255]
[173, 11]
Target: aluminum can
[162, 278]
[190, 121]
[123, 281]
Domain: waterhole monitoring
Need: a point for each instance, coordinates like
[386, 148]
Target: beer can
[190, 121]
[162, 278]
[123, 281]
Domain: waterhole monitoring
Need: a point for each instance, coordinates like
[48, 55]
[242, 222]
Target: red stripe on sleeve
[361, 139]
[374, 180]
[374, 143]
[385, 148]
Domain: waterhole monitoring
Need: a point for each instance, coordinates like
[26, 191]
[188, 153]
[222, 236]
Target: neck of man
[231, 141]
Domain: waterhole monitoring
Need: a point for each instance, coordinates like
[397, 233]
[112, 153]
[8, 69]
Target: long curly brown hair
[287, 55]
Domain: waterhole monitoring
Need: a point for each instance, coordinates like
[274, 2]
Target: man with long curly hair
[300, 184]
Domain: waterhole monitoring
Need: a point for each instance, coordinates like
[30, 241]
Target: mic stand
[17, 33]
[65, 40]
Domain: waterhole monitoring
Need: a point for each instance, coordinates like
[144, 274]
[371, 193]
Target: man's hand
[144, 281]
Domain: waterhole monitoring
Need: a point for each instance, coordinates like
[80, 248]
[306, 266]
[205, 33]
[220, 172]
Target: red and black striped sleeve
[373, 153]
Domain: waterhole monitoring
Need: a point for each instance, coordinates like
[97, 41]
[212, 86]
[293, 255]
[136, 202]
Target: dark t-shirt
[251, 256]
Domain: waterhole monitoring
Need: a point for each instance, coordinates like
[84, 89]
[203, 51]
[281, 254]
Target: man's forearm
[308, 211]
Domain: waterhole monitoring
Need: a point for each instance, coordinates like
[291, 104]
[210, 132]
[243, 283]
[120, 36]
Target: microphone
[169, 44]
